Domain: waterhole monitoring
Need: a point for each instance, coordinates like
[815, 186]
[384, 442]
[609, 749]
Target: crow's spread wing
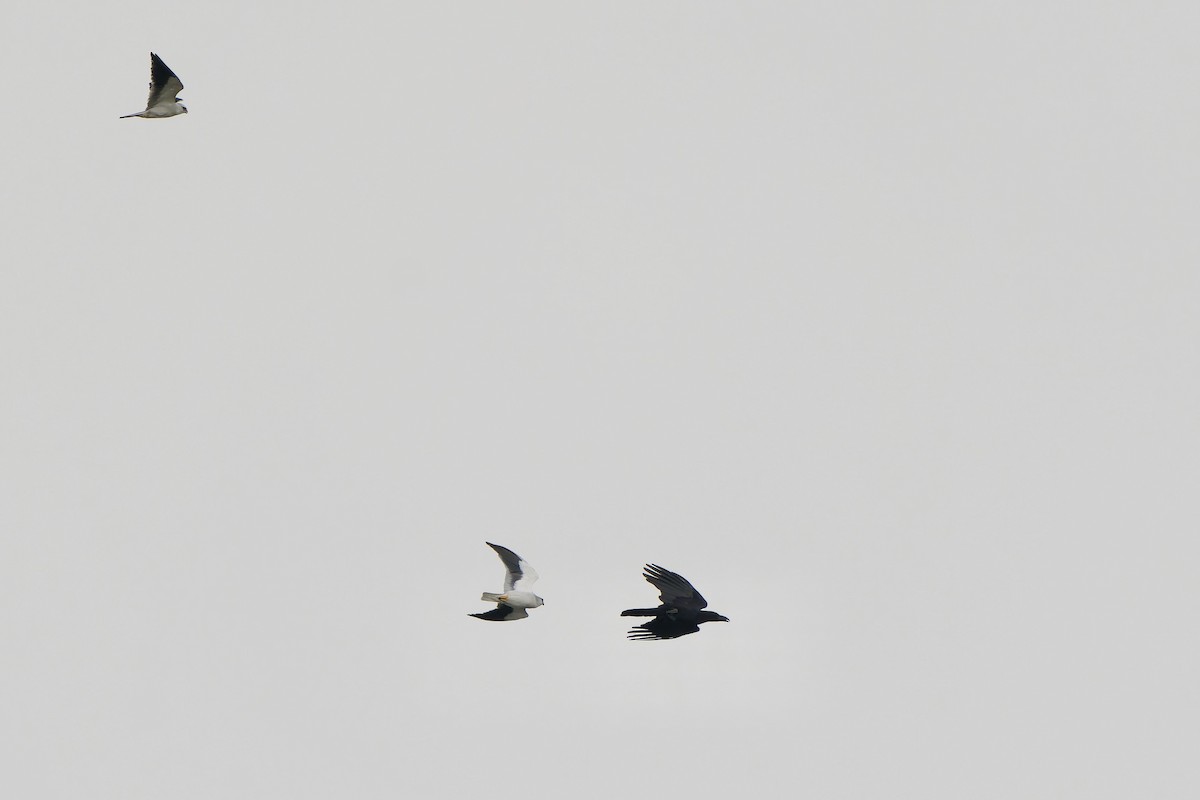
[662, 627]
[674, 590]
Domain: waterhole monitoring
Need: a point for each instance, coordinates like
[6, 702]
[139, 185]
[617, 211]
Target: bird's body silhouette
[512, 602]
[682, 610]
[165, 87]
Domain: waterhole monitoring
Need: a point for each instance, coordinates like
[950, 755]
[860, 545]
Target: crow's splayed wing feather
[662, 627]
[674, 590]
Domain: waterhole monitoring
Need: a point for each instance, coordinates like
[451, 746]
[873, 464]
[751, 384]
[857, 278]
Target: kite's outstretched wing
[502, 613]
[165, 85]
[518, 574]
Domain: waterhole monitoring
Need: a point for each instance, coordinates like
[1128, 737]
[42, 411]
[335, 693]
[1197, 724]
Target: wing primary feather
[164, 84]
[501, 613]
[516, 569]
[674, 589]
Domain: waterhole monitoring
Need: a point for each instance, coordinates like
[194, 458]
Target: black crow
[681, 611]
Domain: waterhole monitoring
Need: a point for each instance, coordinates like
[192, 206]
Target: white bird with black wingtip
[165, 87]
[512, 602]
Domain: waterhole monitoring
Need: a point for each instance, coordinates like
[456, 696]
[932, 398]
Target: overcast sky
[876, 321]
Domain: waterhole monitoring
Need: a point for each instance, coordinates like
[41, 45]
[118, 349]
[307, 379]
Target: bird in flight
[518, 575]
[164, 88]
[682, 610]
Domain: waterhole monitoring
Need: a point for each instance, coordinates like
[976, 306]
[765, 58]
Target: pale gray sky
[877, 321]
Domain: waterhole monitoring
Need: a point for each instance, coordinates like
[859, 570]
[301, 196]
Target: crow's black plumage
[682, 610]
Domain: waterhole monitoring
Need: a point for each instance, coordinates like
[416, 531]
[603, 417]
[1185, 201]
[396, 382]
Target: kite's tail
[491, 598]
[640, 612]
